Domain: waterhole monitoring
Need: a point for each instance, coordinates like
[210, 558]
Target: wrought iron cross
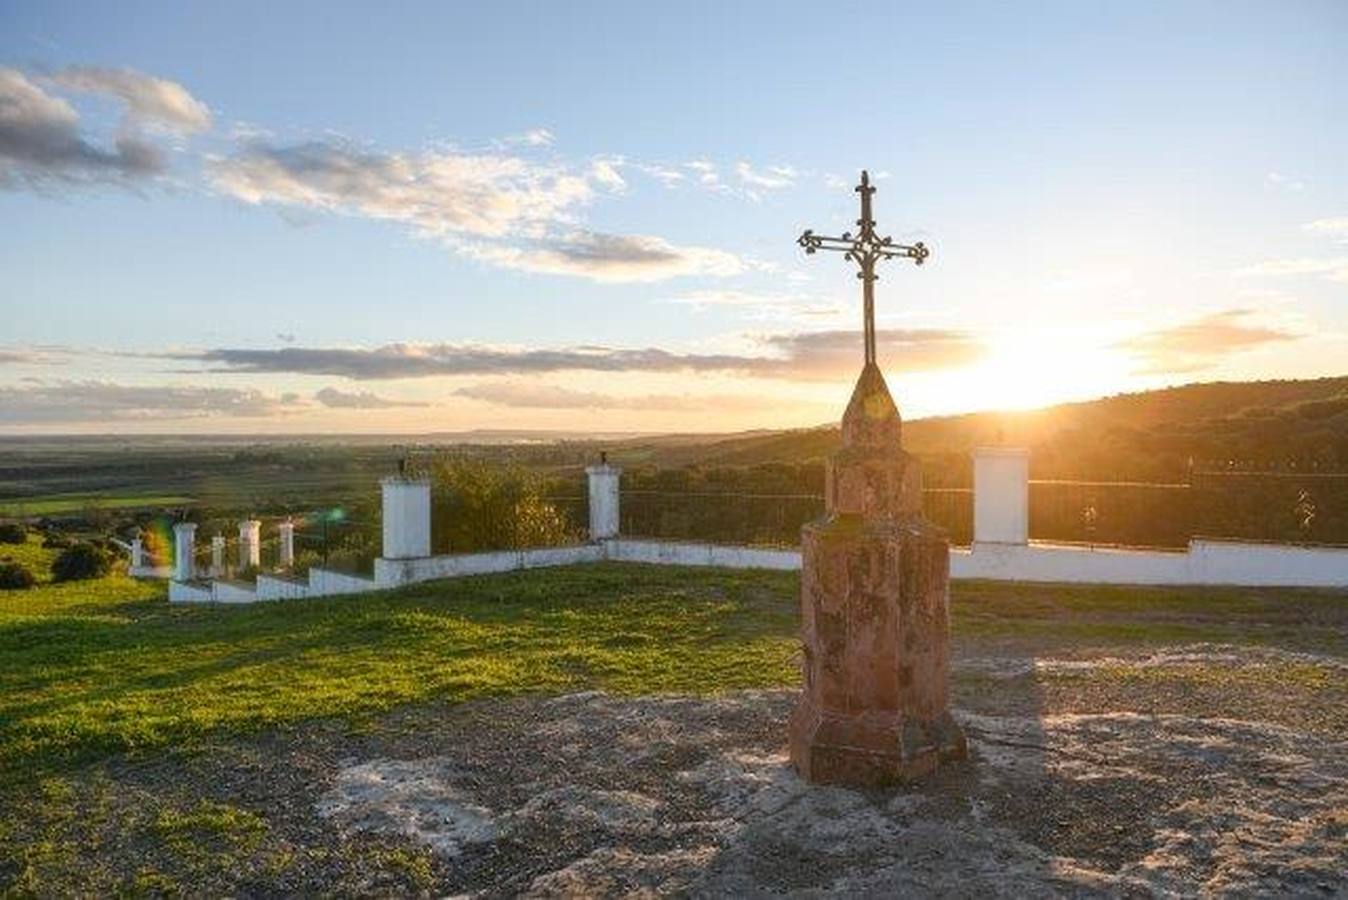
[865, 248]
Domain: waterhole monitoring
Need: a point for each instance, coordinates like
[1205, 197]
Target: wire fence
[762, 519]
[325, 539]
[1301, 508]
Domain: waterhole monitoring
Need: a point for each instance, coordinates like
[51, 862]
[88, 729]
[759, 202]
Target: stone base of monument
[874, 627]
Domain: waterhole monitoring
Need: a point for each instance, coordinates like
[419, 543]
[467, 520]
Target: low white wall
[1267, 565]
[1206, 562]
[680, 553]
[273, 587]
[394, 572]
[187, 592]
[327, 583]
[1069, 563]
[232, 592]
[150, 571]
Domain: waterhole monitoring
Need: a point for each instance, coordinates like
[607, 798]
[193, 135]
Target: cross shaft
[865, 248]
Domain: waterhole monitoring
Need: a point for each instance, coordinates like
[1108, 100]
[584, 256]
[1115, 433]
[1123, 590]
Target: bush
[55, 541]
[13, 533]
[14, 577]
[480, 507]
[80, 561]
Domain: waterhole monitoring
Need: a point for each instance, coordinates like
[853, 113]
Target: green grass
[92, 668]
[58, 504]
[108, 666]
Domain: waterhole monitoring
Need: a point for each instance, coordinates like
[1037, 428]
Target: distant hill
[1151, 434]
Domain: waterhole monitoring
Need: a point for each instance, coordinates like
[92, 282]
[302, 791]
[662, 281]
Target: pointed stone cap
[872, 418]
[871, 476]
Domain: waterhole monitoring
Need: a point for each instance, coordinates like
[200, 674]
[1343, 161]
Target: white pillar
[286, 530]
[137, 553]
[603, 500]
[1001, 495]
[250, 544]
[184, 550]
[218, 555]
[406, 517]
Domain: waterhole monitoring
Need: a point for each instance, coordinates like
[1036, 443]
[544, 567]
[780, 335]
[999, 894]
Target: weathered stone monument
[874, 586]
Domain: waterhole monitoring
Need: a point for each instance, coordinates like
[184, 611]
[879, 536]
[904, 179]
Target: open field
[63, 504]
[309, 745]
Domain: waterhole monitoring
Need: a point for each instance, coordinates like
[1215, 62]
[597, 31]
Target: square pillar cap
[1001, 451]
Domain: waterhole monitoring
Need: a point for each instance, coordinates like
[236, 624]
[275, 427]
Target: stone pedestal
[874, 599]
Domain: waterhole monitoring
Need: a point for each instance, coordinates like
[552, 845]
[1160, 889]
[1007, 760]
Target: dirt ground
[1117, 774]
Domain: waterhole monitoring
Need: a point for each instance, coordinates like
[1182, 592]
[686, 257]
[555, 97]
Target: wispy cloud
[150, 102]
[1202, 343]
[773, 178]
[500, 209]
[42, 145]
[534, 137]
[1336, 228]
[338, 399]
[801, 356]
[538, 395]
[608, 257]
[435, 193]
[606, 172]
[92, 401]
[1335, 268]
[33, 356]
[1284, 182]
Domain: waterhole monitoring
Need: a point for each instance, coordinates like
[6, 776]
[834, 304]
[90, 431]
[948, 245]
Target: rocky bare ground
[597, 794]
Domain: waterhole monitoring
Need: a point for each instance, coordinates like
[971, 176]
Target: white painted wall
[1069, 563]
[1267, 565]
[327, 583]
[272, 587]
[406, 518]
[682, 553]
[393, 572]
[1001, 495]
[604, 509]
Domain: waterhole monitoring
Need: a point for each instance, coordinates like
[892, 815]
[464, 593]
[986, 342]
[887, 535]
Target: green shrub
[80, 561]
[13, 533]
[55, 541]
[475, 506]
[14, 576]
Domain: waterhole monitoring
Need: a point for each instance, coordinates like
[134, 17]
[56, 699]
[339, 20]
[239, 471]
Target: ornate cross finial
[865, 248]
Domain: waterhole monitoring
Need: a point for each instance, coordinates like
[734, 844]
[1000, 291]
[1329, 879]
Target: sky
[339, 217]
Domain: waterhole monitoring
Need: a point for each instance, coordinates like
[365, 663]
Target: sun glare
[1027, 370]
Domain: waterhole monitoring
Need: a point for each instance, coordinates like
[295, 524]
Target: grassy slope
[1261, 419]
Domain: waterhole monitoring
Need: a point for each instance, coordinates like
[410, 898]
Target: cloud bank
[95, 401]
[818, 355]
[1202, 343]
[336, 399]
[536, 395]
